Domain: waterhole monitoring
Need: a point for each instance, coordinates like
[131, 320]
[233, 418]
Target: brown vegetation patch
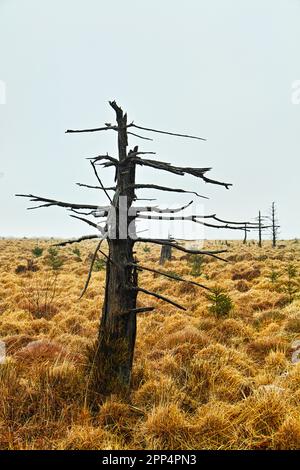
[43, 351]
[247, 274]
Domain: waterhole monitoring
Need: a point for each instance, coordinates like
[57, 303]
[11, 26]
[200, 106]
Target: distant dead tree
[275, 227]
[261, 226]
[245, 234]
[112, 356]
[259, 229]
[165, 253]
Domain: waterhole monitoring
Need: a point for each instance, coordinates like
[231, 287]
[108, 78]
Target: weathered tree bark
[115, 345]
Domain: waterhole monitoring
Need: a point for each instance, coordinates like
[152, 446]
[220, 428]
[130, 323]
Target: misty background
[223, 70]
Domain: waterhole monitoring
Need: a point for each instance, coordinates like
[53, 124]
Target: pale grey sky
[221, 69]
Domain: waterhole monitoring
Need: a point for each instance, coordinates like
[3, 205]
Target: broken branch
[158, 296]
[175, 278]
[53, 202]
[182, 248]
[165, 132]
[77, 240]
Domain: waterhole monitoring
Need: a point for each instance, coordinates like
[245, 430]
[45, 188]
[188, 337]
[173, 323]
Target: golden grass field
[199, 382]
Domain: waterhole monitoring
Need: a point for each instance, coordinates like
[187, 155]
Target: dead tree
[245, 234]
[112, 356]
[259, 230]
[275, 226]
[260, 226]
[165, 253]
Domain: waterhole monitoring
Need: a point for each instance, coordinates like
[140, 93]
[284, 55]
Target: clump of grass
[292, 323]
[288, 435]
[291, 284]
[40, 297]
[242, 286]
[77, 253]
[261, 415]
[89, 437]
[276, 362]
[166, 428]
[248, 274]
[41, 351]
[30, 267]
[267, 316]
[155, 392]
[220, 302]
[261, 346]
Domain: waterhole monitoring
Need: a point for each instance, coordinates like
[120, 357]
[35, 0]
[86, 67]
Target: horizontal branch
[160, 165]
[144, 199]
[140, 310]
[134, 153]
[261, 228]
[139, 136]
[158, 296]
[182, 248]
[161, 211]
[102, 211]
[190, 218]
[80, 213]
[177, 170]
[97, 129]
[248, 224]
[164, 188]
[77, 240]
[90, 186]
[165, 132]
[53, 202]
[175, 278]
[144, 186]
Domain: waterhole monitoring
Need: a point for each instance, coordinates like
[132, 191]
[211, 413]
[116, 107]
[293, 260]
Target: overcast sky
[221, 69]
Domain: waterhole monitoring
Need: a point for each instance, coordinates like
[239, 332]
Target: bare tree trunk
[165, 254]
[113, 356]
[259, 230]
[274, 228]
[245, 235]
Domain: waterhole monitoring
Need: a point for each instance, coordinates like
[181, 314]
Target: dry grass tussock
[199, 381]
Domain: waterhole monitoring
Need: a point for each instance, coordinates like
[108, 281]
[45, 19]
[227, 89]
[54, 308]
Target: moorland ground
[200, 381]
